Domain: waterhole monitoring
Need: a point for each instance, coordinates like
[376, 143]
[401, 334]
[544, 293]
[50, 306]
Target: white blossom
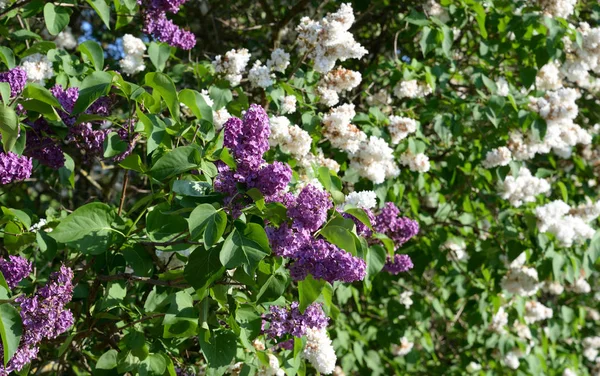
[132, 64]
[473, 367]
[581, 286]
[502, 86]
[557, 8]
[400, 128]
[405, 299]
[548, 77]
[279, 60]
[404, 348]
[291, 139]
[374, 160]
[416, 162]
[554, 218]
[336, 81]
[260, 76]
[319, 351]
[455, 250]
[288, 104]
[522, 281]
[38, 68]
[497, 157]
[232, 65]
[535, 311]
[363, 199]
[340, 132]
[329, 40]
[511, 359]
[412, 89]
[133, 45]
[65, 39]
[499, 321]
[522, 189]
[554, 287]
[273, 369]
[569, 372]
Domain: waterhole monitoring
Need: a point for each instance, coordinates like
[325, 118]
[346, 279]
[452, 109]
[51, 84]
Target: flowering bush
[299, 187]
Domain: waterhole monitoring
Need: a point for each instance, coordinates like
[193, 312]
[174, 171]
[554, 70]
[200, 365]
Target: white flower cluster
[363, 199]
[340, 132]
[554, 287]
[590, 348]
[436, 10]
[502, 86]
[220, 116]
[374, 160]
[554, 218]
[523, 188]
[37, 226]
[558, 108]
[3, 4]
[535, 312]
[336, 81]
[279, 60]
[455, 250]
[65, 39]
[499, 321]
[404, 348]
[497, 157]
[134, 49]
[522, 330]
[288, 104]
[273, 369]
[416, 162]
[319, 160]
[473, 367]
[405, 299]
[548, 77]
[511, 359]
[319, 351]
[329, 40]
[260, 75]
[581, 59]
[38, 68]
[581, 286]
[400, 128]
[412, 89]
[521, 280]
[557, 8]
[291, 139]
[232, 65]
[380, 99]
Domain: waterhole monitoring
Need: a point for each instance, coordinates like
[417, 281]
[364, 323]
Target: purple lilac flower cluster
[281, 321]
[44, 316]
[400, 264]
[14, 167]
[158, 25]
[41, 147]
[14, 270]
[311, 255]
[16, 78]
[248, 140]
[399, 229]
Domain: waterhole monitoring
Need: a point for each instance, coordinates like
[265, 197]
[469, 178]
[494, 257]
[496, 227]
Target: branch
[14, 6]
[130, 277]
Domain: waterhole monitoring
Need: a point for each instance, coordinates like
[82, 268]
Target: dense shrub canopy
[281, 187]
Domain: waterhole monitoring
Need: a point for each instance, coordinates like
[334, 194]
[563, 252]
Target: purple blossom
[43, 148]
[287, 242]
[14, 270]
[16, 78]
[159, 26]
[282, 321]
[14, 167]
[44, 316]
[125, 134]
[400, 264]
[248, 139]
[170, 6]
[325, 261]
[66, 98]
[399, 229]
[310, 210]
[87, 139]
[271, 179]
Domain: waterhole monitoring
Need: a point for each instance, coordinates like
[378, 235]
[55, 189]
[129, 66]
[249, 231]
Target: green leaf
[5, 92]
[338, 233]
[102, 9]
[87, 219]
[220, 96]
[195, 101]
[375, 260]
[274, 287]
[93, 52]
[108, 360]
[203, 267]
[159, 54]
[139, 260]
[114, 145]
[175, 162]
[153, 365]
[93, 87]
[10, 330]
[220, 349]
[181, 319]
[56, 18]
[7, 56]
[206, 220]
[161, 226]
[480, 17]
[40, 93]
[309, 290]
[361, 215]
[246, 245]
[164, 85]
[9, 127]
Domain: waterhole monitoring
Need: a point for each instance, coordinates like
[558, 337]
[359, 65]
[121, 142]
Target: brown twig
[123, 192]
[131, 277]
